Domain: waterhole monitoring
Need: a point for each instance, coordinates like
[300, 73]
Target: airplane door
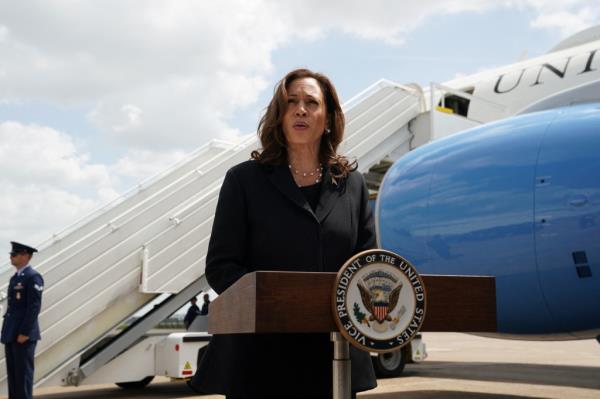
[567, 220]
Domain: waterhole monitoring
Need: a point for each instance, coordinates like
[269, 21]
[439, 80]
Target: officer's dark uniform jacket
[24, 303]
[263, 222]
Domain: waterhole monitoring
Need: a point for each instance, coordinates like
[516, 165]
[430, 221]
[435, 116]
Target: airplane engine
[518, 199]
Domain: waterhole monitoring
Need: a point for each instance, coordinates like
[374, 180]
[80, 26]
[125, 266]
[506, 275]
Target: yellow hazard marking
[187, 366]
[445, 110]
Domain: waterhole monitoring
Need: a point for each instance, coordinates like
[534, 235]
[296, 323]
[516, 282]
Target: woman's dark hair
[270, 127]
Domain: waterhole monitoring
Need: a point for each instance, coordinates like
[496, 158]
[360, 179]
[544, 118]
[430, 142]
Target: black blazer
[263, 222]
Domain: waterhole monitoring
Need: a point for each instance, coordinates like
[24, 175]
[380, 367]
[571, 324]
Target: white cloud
[3, 33]
[32, 154]
[133, 118]
[566, 22]
[565, 16]
[175, 114]
[159, 74]
[46, 182]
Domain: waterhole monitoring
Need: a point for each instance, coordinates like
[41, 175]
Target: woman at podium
[297, 205]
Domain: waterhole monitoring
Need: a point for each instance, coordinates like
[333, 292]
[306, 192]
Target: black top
[191, 314]
[204, 310]
[312, 194]
[264, 221]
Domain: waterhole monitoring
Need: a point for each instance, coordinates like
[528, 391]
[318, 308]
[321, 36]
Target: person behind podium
[205, 305]
[297, 205]
[191, 313]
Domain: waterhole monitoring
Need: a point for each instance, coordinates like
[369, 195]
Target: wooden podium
[295, 302]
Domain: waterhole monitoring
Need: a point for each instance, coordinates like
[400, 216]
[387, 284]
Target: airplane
[516, 197]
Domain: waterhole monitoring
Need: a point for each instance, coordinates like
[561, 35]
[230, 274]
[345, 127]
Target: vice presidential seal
[378, 301]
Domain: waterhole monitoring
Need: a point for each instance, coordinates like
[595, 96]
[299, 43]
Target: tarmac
[459, 366]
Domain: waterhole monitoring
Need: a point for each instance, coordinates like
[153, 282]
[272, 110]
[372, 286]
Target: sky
[96, 96]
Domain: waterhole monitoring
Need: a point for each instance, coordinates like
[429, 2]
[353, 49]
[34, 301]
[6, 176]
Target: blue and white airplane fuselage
[518, 198]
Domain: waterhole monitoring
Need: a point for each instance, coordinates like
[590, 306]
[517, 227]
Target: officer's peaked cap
[18, 247]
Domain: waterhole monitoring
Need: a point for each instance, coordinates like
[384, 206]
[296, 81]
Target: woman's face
[305, 117]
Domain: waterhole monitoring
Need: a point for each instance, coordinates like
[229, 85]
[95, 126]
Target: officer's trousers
[19, 369]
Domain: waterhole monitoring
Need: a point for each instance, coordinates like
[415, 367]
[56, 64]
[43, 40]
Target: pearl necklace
[318, 172]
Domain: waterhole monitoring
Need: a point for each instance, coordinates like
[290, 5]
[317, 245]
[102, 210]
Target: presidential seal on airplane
[379, 301]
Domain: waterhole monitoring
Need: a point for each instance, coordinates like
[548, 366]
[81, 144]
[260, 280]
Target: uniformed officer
[20, 330]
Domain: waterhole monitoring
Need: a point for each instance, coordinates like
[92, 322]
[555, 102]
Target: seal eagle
[378, 303]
